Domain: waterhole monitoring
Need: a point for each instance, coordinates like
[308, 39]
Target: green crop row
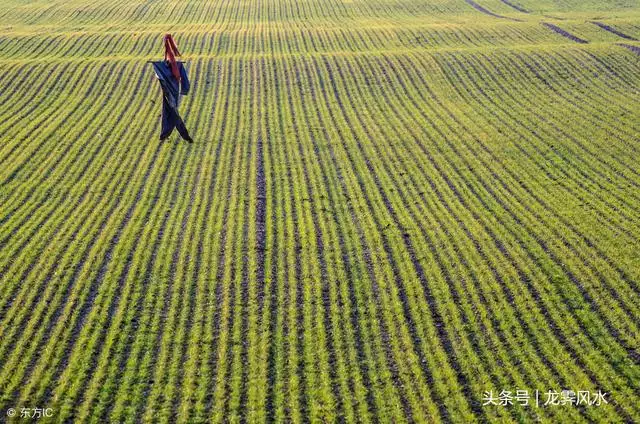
[390, 208]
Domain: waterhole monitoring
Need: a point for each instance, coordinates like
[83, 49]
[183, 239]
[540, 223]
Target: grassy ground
[391, 208]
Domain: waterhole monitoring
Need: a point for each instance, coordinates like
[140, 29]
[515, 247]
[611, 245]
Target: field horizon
[392, 211]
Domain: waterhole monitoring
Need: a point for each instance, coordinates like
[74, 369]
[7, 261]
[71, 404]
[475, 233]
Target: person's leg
[177, 122]
[182, 129]
[168, 120]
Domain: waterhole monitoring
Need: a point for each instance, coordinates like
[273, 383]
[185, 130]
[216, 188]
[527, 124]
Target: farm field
[392, 208]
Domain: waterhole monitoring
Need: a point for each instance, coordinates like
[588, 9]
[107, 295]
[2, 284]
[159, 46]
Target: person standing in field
[174, 83]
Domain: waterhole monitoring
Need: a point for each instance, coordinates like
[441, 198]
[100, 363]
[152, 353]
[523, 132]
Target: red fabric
[170, 54]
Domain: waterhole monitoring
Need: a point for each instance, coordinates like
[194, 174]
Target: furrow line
[562, 32]
[481, 9]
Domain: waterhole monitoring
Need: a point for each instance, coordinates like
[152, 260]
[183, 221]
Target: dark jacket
[172, 89]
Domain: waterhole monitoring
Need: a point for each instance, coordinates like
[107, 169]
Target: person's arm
[185, 85]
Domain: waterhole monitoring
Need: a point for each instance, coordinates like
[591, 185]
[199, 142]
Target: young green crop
[390, 208]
